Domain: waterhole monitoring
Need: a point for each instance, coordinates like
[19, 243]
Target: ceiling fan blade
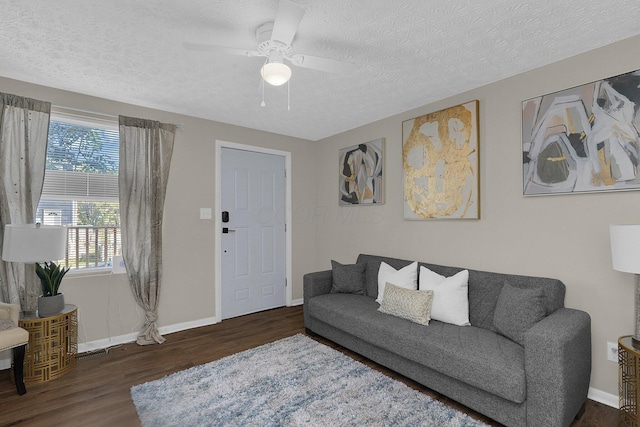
[287, 21]
[219, 49]
[323, 64]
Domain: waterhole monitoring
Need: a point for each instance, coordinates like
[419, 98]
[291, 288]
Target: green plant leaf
[50, 276]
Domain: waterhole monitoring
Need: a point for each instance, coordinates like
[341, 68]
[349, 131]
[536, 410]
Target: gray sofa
[542, 383]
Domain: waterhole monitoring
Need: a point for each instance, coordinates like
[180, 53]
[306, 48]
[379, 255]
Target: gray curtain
[24, 130]
[145, 155]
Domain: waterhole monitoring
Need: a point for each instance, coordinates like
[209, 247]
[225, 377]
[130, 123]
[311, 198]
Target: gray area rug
[292, 382]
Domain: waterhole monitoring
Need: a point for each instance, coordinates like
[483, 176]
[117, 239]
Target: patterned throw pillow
[6, 324]
[408, 304]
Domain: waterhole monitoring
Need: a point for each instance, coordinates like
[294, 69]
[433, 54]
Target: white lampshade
[625, 247]
[29, 243]
[275, 73]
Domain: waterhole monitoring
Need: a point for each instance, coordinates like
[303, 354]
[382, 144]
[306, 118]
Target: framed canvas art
[440, 164]
[583, 139]
[361, 174]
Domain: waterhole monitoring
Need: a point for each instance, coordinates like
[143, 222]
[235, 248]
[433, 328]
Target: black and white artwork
[361, 174]
[583, 139]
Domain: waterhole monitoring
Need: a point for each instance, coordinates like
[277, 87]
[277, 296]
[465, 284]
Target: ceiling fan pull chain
[262, 104]
[289, 95]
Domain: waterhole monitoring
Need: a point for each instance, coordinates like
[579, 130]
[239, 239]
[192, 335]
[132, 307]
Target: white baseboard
[603, 397]
[88, 346]
[124, 339]
[297, 302]
[169, 329]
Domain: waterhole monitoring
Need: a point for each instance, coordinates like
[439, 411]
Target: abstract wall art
[583, 139]
[440, 164]
[361, 174]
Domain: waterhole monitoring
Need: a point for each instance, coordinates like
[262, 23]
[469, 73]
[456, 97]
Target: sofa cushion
[450, 296]
[476, 356]
[406, 303]
[406, 277]
[347, 278]
[518, 310]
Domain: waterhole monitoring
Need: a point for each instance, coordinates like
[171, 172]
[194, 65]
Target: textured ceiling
[409, 53]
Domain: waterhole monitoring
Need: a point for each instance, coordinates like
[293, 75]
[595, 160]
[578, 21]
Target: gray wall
[564, 237]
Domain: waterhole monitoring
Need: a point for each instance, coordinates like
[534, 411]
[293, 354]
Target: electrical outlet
[612, 351]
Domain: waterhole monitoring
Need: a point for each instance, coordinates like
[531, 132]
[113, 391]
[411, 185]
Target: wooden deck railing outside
[91, 247]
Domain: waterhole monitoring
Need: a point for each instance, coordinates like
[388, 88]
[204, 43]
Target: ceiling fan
[274, 44]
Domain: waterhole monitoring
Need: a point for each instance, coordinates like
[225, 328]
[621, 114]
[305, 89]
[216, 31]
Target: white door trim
[218, 220]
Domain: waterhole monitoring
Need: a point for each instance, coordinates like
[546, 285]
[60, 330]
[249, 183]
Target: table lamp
[625, 255]
[31, 243]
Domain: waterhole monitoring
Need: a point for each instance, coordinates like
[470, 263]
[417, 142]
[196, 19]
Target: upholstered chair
[13, 337]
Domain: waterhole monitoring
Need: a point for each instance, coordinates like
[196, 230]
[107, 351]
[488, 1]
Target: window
[81, 187]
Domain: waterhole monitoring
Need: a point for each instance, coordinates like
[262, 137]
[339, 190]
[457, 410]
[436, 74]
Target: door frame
[220, 144]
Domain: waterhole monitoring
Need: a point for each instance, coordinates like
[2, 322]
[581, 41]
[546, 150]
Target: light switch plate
[205, 213]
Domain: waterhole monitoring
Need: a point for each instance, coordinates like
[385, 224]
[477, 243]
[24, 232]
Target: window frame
[92, 120]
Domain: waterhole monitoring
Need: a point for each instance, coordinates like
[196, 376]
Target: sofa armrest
[317, 283]
[558, 367]
[314, 284]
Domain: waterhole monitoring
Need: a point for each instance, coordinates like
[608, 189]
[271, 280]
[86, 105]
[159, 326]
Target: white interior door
[253, 237]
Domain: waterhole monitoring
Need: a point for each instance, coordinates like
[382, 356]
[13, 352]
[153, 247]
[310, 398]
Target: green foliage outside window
[99, 214]
[80, 149]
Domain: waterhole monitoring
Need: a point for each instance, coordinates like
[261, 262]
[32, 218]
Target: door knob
[226, 230]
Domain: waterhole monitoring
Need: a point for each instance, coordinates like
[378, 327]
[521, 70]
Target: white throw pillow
[450, 296]
[406, 277]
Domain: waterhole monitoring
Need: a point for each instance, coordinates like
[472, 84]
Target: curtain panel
[146, 147]
[24, 130]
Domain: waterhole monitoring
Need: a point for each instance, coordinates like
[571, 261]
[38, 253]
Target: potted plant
[51, 302]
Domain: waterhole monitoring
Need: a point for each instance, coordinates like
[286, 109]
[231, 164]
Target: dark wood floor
[96, 393]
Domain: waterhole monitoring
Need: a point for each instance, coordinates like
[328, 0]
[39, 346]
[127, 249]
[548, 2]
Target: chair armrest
[315, 284]
[558, 367]
[9, 312]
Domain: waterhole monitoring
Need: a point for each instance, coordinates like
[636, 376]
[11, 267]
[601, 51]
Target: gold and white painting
[361, 174]
[583, 139]
[440, 164]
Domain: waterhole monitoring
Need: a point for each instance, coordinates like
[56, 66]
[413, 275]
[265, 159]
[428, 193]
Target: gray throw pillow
[347, 278]
[517, 310]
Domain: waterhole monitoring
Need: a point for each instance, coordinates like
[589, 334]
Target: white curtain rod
[93, 114]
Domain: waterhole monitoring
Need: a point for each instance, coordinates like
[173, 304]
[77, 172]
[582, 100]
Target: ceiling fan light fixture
[275, 73]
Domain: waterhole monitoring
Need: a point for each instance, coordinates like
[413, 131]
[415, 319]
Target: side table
[628, 381]
[53, 344]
